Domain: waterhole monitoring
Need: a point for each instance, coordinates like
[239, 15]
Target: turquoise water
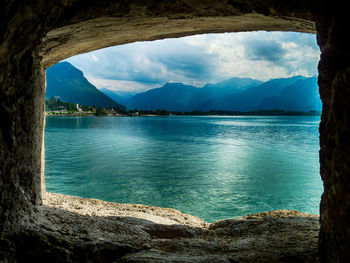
[211, 167]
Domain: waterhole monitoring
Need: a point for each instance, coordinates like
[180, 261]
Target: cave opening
[37, 35]
[156, 164]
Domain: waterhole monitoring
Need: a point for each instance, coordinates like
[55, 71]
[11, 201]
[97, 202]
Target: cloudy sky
[200, 59]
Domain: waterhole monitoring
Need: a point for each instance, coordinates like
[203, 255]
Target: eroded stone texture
[334, 83]
[35, 34]
[123, 22]
[21, 114]
[88, 230]
[138, 233]
[86, 36]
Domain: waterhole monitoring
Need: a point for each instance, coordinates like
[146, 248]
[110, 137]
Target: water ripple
[212, 167]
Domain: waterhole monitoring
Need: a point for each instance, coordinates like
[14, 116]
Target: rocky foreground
[75, 229]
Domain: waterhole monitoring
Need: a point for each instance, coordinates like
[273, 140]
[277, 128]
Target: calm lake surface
[211, 167]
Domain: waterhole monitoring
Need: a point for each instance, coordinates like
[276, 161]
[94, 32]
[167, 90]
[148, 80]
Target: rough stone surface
[35, 34]
[334, 83]
[136, 233]
[67, 41]
[74, 229]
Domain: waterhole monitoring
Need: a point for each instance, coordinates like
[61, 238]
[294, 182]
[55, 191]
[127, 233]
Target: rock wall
[21, 113]
[35, 34]
[334, 83]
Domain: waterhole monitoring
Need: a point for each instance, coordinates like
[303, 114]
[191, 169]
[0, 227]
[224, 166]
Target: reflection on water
[211, 167]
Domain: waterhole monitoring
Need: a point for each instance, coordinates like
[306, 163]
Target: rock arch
[35, 34]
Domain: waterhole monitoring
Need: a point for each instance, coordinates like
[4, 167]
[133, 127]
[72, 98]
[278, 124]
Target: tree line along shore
[57, 107]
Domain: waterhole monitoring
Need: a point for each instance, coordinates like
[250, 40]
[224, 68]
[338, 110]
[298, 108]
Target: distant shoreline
[193, 113]
[256, 113]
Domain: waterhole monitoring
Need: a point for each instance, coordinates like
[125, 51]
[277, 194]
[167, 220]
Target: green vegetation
[100, 112]
[55, 104]
[56, 107]
[161, 112]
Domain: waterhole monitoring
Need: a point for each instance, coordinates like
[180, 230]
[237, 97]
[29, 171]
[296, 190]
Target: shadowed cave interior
[42, 226]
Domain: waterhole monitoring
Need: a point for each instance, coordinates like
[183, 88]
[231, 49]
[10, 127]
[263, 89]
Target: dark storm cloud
[265, 50]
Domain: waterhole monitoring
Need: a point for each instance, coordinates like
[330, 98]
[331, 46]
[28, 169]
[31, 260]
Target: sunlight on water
[211, 167]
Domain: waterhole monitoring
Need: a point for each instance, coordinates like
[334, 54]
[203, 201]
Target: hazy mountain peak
[303, 95]
[294, 78]
[68, 82]
[175, 85]
[234, 81]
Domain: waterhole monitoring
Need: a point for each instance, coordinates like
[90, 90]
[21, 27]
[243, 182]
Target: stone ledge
[75, 229]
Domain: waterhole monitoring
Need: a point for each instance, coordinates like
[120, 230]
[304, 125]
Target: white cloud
[199, 59]
[120, 85]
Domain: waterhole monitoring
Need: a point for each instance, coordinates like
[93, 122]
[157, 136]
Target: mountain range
[67, 82]
[260, 96]
[236, 94]
[297, 93]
